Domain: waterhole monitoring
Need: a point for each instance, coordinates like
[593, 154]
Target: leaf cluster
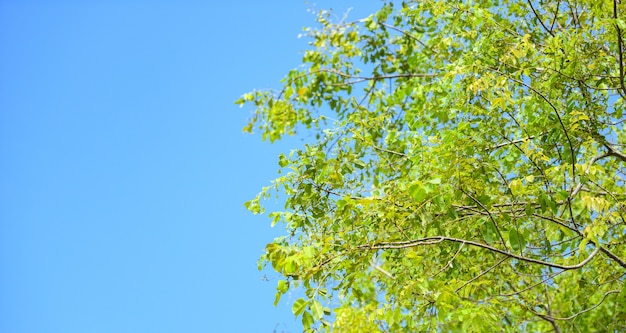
[466, 172]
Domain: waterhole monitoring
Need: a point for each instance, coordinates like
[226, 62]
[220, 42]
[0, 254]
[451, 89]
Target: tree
[464, 169]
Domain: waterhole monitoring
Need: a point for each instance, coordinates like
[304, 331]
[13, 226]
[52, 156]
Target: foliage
[465, 170]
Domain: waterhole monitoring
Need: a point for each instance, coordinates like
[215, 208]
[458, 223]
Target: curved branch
[577, 189]
[439, 239]
[550, 277]
[582, 311]
[604, 250]
[613, 256]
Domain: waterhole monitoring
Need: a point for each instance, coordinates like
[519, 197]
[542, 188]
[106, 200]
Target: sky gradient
[124, 169]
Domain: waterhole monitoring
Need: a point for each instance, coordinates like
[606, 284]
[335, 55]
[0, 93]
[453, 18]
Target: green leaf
[282, 161]
[562, 195]
[299, 306]
[479, 13]
[489, 231]
[359, 164]
[418, 192]
[485, 200]
[435, 181]
[307, 320]
[518, 243]
[317, 309]
[530, 210]
[282, 286]
[254, 206]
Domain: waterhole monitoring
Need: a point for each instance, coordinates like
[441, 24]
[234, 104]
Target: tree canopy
[464, 169]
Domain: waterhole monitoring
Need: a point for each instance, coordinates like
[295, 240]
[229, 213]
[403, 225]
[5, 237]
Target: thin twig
[490, 216]
[481, 274]
[408, 34]
[556, 14]
[389, 151]
[620, 47]
[539, 18]
[504, 144]
[532, 285]
[585, 310]
[449, 263]
[380, 269]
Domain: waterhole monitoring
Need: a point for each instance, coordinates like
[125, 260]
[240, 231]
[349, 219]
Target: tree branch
[504, 144]
[408, 34]
[481, 274]
[449, 263]
[578, 187]
[620, 48]
[490, 216]
[539, 18]
[614, 152]
[439, 239]
[389, 151]
[604, 250]
[378, 77]
[583, 311]
[550, 277]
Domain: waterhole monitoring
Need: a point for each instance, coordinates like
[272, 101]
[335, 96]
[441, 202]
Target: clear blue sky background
[123, 167]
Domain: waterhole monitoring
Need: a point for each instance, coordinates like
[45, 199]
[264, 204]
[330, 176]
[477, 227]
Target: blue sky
[123, 167]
